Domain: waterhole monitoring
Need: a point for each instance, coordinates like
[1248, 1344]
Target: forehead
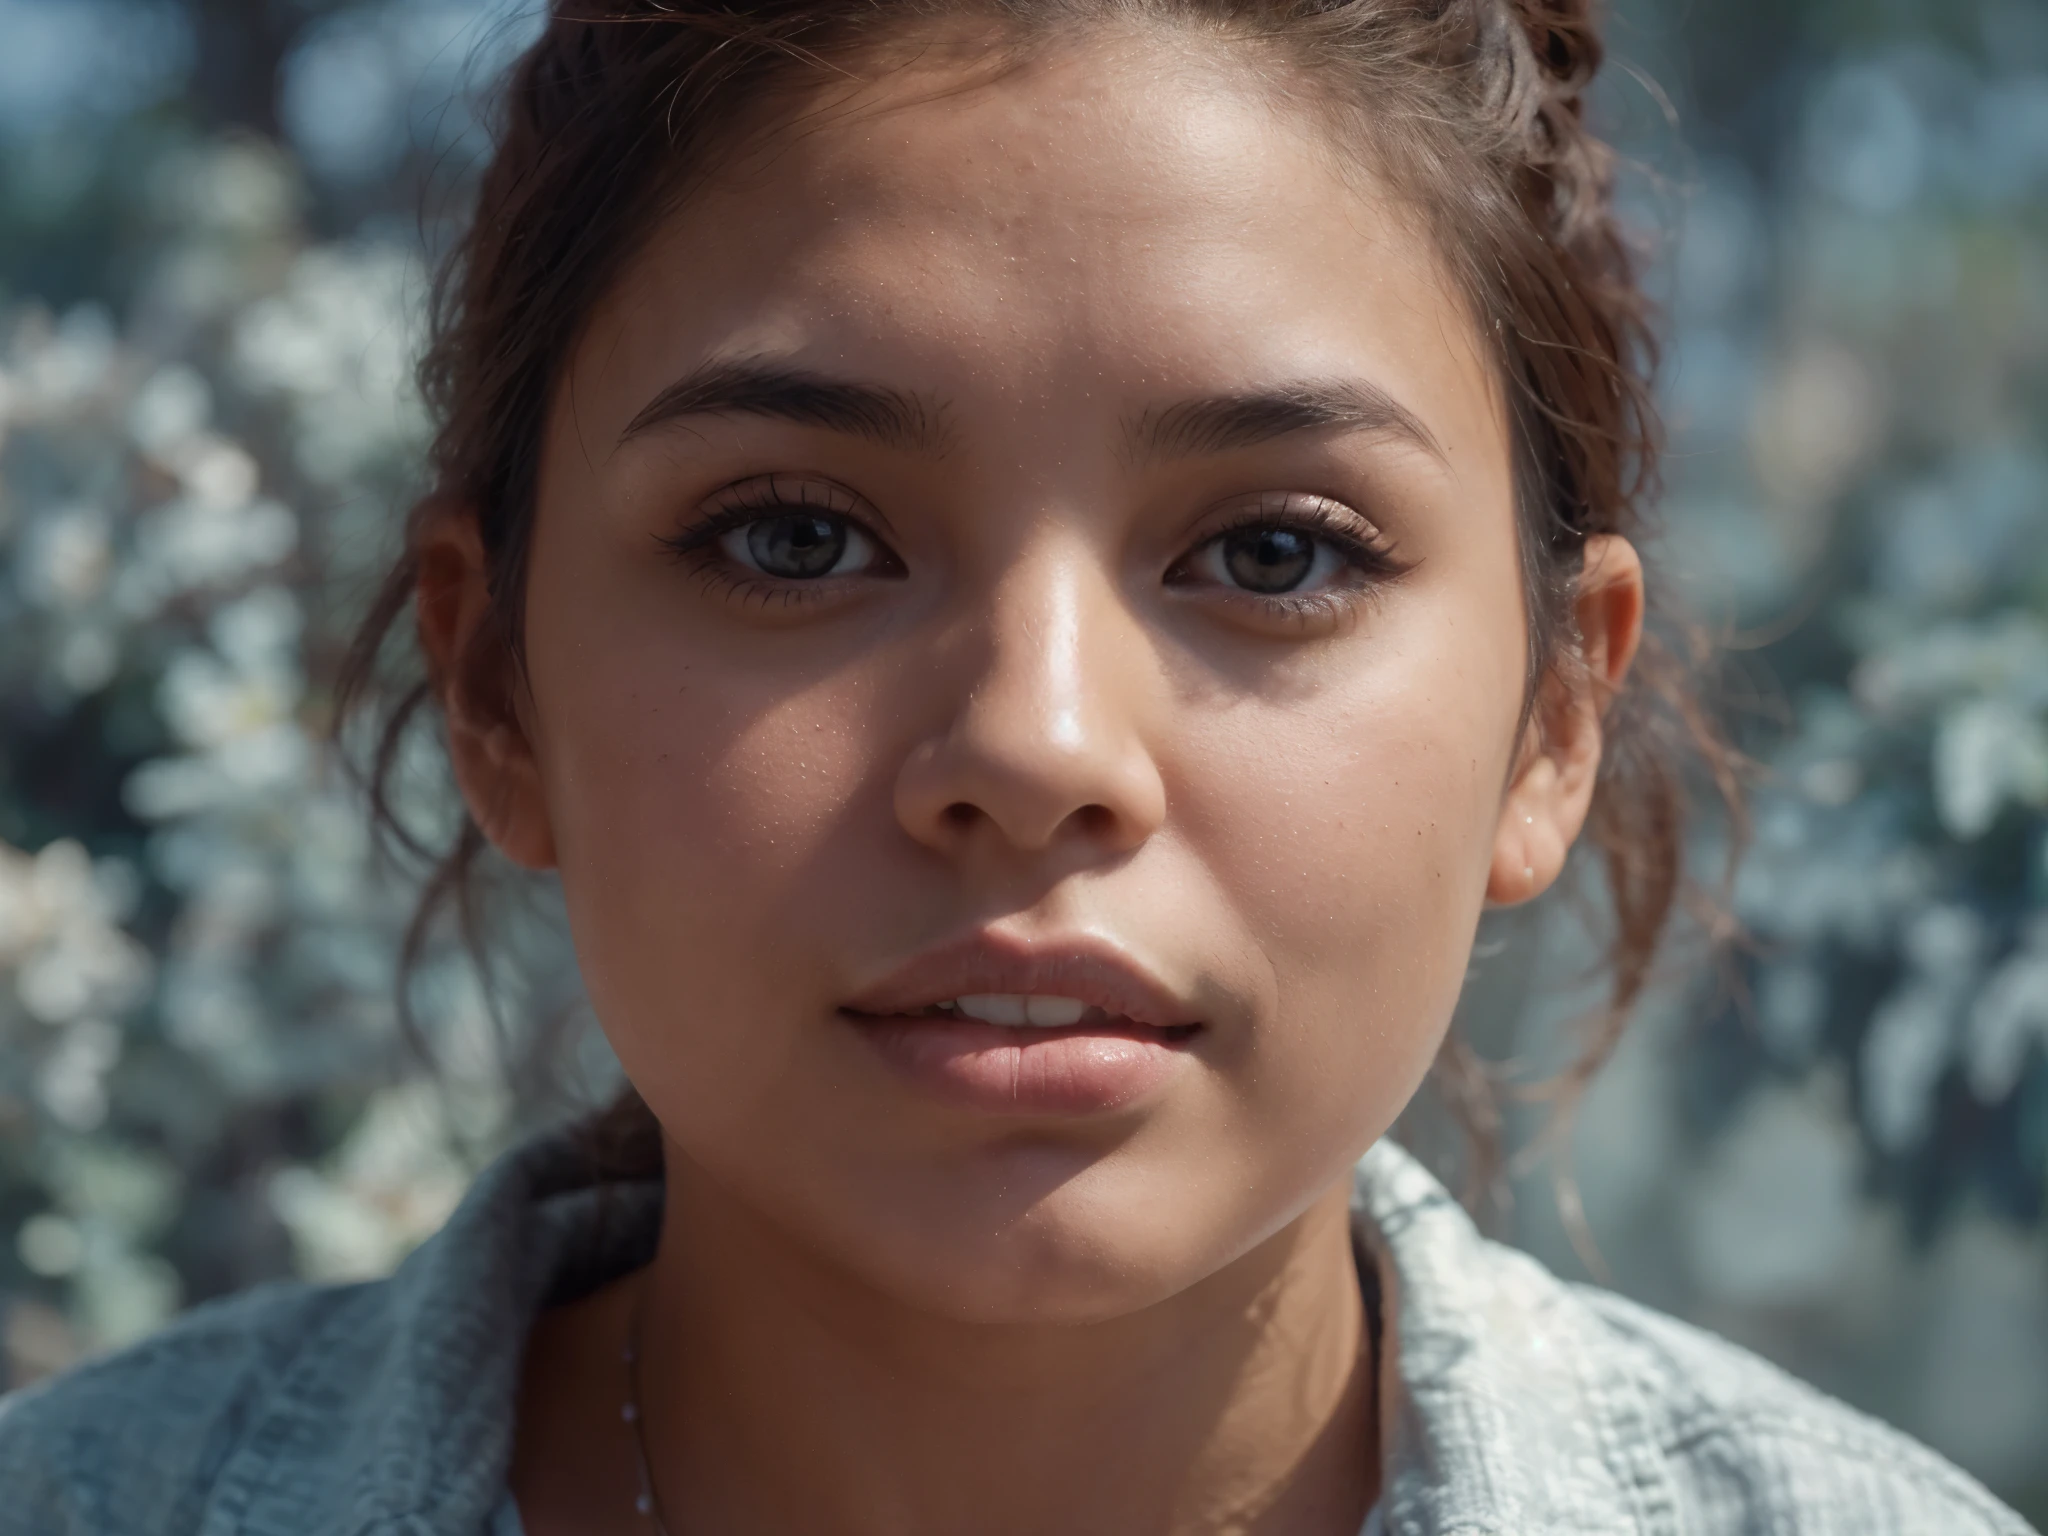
[1145, 209]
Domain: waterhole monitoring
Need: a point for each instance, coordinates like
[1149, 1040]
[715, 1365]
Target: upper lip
[1090, 969]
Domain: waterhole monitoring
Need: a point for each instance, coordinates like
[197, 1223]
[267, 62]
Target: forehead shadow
[864, 79]
[900, 67]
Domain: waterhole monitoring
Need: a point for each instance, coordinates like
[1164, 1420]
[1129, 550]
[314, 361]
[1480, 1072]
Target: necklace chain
[648, 1502]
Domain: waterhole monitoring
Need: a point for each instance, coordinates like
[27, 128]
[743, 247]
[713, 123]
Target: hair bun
[1563, 37]
[1538, 59]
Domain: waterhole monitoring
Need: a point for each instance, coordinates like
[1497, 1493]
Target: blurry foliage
[210, 278]
[208, 434]
[178, 522]
[1859, 387]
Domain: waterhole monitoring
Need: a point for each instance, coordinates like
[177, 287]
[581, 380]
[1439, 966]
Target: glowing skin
[1028, 737]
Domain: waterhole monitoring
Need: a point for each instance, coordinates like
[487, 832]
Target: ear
[1552, 790]
[472, 670]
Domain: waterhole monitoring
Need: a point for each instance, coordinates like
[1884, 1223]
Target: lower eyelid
[1355, 564]
[877, 559]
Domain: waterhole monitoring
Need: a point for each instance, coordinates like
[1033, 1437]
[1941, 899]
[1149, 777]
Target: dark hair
[1473, 109]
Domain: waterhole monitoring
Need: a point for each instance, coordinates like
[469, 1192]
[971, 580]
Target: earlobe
[471, 670]
[1530, 844]
[1551, 794]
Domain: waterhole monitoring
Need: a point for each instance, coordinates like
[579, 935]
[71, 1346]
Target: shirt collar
[1501, 1407]
[396, 1413]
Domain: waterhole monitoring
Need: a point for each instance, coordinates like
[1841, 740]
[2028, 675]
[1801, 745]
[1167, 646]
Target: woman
[1032, 566]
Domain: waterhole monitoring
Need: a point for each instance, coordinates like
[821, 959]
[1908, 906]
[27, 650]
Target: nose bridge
[1046, 735]
[1034, 680]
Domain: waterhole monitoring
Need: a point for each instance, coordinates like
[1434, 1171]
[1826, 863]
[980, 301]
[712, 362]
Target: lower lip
[1021, 1071]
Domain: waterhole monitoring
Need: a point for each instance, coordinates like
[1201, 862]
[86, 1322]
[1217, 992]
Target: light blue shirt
[506, 1521]
[1521, 1405]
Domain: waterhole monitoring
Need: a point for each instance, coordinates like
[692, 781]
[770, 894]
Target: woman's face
[1026, 648]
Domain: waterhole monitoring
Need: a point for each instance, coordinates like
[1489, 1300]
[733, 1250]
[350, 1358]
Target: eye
[1289, 546]
[799, 545]
[1270, 561]
[1292, 558]
[783, 533]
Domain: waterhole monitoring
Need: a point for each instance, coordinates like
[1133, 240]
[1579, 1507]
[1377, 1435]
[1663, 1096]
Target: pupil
[796, 547]
[1269, 559]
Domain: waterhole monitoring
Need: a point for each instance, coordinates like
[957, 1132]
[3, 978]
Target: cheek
[694, 804]
[1352, 833]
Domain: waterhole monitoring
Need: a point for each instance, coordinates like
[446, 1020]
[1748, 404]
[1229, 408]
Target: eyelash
[750, 501]
[1361, 547]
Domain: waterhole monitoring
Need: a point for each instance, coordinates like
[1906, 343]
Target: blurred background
[217, 218]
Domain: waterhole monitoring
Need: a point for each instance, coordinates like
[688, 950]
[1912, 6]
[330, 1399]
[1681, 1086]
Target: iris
[797, 546]
[1269, 559]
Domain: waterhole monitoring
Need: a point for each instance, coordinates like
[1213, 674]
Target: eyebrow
[762, 387]
[900, 420]
[1220, 423]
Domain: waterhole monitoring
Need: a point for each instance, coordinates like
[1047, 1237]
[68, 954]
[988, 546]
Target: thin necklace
[648, 1502]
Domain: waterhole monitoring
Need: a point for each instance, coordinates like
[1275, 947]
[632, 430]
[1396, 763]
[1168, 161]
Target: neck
[781, 1394]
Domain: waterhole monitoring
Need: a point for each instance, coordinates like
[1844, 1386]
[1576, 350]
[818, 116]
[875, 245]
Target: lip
[1096, 1066]
[1094, 970]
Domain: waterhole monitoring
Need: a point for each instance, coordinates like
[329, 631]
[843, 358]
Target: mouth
[1007, 1026]
[1036, 1011]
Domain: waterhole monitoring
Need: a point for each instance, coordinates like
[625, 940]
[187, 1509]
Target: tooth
[993, 1007]
[1054, 1012]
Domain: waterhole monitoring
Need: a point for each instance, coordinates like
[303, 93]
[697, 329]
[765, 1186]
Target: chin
[1041, 1273]
[1040, 1241]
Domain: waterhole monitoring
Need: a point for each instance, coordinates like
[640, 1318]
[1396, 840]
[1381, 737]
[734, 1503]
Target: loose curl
[1473, 110]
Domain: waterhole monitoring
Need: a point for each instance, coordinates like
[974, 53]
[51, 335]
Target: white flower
[195, 542]
[67, 557]
[1910, 1043]
[169, 411]
[391, 1184]
[338, 344]
[65, 368]
[2010, 1013]
[2003, 655]
[1987, 754]
[59, 939]
[73, 1081]
[246, 686]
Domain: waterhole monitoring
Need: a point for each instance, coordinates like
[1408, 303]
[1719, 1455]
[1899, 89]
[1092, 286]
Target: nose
[1043, 744]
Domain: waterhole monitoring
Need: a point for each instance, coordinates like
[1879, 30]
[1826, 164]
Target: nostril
[960, 815]
[1096, 821]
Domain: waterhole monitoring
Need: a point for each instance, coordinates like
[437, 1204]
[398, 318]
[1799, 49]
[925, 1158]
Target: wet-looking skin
[1025, 665]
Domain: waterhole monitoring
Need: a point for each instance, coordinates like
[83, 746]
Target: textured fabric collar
[1502, 1408]
[395, 1413]
[398, 1416]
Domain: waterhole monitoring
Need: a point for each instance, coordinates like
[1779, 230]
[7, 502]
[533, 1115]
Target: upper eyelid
[1284, 507]
[860, 510]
